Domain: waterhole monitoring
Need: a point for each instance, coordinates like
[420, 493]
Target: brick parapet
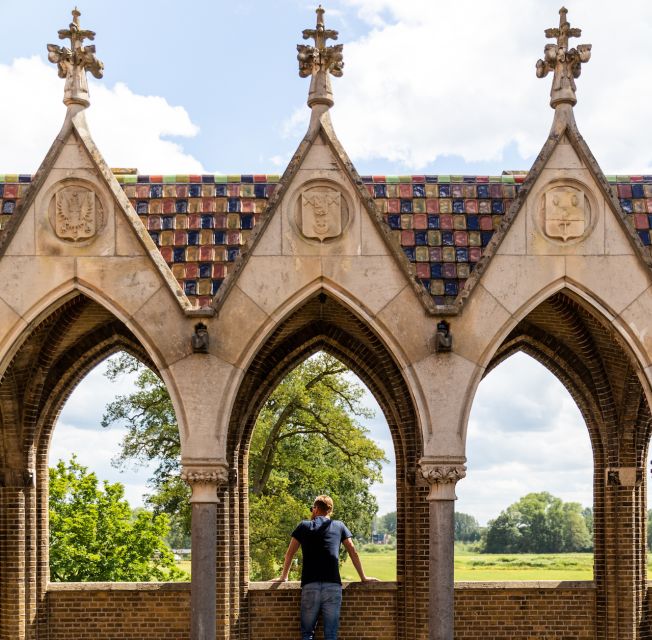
[496, 610]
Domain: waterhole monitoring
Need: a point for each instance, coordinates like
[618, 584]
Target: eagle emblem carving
[75, 214]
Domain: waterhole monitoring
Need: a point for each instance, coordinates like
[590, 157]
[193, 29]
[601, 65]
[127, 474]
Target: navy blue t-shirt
[320, 541]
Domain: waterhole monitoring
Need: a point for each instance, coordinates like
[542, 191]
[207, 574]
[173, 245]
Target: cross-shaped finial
[566, 63]
[74, 62]
[319, 60]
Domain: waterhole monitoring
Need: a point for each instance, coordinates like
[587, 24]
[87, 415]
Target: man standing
[321, 586]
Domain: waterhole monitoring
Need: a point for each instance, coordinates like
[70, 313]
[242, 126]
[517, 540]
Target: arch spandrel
[243, 336]
[631, 348]
[94, 327]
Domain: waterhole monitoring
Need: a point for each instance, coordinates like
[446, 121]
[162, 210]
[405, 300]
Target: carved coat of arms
[565, 214]
[321, 213]
[75, 215]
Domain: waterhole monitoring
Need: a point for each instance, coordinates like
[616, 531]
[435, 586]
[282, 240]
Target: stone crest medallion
[321, 213]
[566, 213]
[76, 213]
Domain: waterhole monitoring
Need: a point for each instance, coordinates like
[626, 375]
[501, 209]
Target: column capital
[205, 481]
[442, 478]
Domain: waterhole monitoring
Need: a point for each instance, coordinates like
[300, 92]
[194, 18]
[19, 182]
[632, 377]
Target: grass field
[488, 567]
[472, 566]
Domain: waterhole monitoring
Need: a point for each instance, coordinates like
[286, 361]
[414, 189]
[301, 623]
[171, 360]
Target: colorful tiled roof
[443, 223]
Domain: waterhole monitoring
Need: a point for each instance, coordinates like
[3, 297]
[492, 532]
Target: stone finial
[442, 479]
[74, 62]
[319, 61]
[564, 62]
[204, 482]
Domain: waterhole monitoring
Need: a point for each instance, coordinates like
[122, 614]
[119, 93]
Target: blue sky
[428, 87]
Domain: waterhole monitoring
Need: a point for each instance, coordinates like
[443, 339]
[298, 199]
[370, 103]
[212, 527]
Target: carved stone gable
[565, 213]
[321, 213]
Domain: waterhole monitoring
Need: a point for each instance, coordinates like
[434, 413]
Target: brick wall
[525, 610]
[483, 611]
[118, 611]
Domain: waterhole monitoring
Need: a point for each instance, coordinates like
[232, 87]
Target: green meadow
[472, 566]
[481, 567]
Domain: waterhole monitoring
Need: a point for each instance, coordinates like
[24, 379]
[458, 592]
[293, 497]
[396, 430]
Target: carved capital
[442, 479]
[205, 482]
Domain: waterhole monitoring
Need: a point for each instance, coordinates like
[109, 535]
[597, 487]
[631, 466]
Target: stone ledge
[527, 585]
[118, 586]
[296, 585]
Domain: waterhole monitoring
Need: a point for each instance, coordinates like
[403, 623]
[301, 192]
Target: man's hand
[370, 579]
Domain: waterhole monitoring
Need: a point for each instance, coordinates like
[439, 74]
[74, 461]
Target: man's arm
[293, 547]
[355, 559]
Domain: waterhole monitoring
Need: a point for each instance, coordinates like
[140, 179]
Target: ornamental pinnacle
[74, 62]
[564, 62]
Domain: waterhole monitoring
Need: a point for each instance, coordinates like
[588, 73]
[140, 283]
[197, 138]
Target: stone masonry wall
[500, 611]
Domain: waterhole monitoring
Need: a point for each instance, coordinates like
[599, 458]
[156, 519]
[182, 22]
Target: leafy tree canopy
[467, 528]
[387, 523]
[95, 536]
[539, 523]
[307, 441]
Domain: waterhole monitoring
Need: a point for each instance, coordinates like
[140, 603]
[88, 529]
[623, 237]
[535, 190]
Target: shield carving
[321, 213]
[565, 214]
[75, 217]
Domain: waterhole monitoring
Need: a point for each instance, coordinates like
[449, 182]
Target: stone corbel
[442, 478]
[205, 482]
[17, 478]
[624, 476]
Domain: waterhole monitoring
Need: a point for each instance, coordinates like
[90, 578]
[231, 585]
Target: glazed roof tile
[200, 223]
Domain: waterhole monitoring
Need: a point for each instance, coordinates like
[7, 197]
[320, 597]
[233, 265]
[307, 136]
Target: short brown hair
[323, 503]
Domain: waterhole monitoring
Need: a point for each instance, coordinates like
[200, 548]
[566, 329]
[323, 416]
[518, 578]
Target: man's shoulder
[304, 524]
[342, 527]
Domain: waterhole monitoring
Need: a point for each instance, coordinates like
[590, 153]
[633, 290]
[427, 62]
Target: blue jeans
[324, 597]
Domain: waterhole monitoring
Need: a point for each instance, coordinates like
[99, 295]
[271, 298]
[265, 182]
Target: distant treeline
[537, 523]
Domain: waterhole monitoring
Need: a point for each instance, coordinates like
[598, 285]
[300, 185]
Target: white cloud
[436, 79]
[507, 460]
[129, 129]
[78, 431]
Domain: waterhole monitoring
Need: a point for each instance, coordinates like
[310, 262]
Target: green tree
[95, 536]
[387, 523]
[467, 528]
[307, 441]
[538, 523]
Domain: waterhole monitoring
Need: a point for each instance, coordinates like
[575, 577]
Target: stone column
[441, 610]
[204, 483]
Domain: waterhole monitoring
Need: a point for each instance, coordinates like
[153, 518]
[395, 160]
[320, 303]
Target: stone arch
[323, 322]
[52, 356]
[588, 353]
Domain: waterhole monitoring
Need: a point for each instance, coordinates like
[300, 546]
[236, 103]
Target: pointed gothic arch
[323, 322]
[51, 357]
[577, 342]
